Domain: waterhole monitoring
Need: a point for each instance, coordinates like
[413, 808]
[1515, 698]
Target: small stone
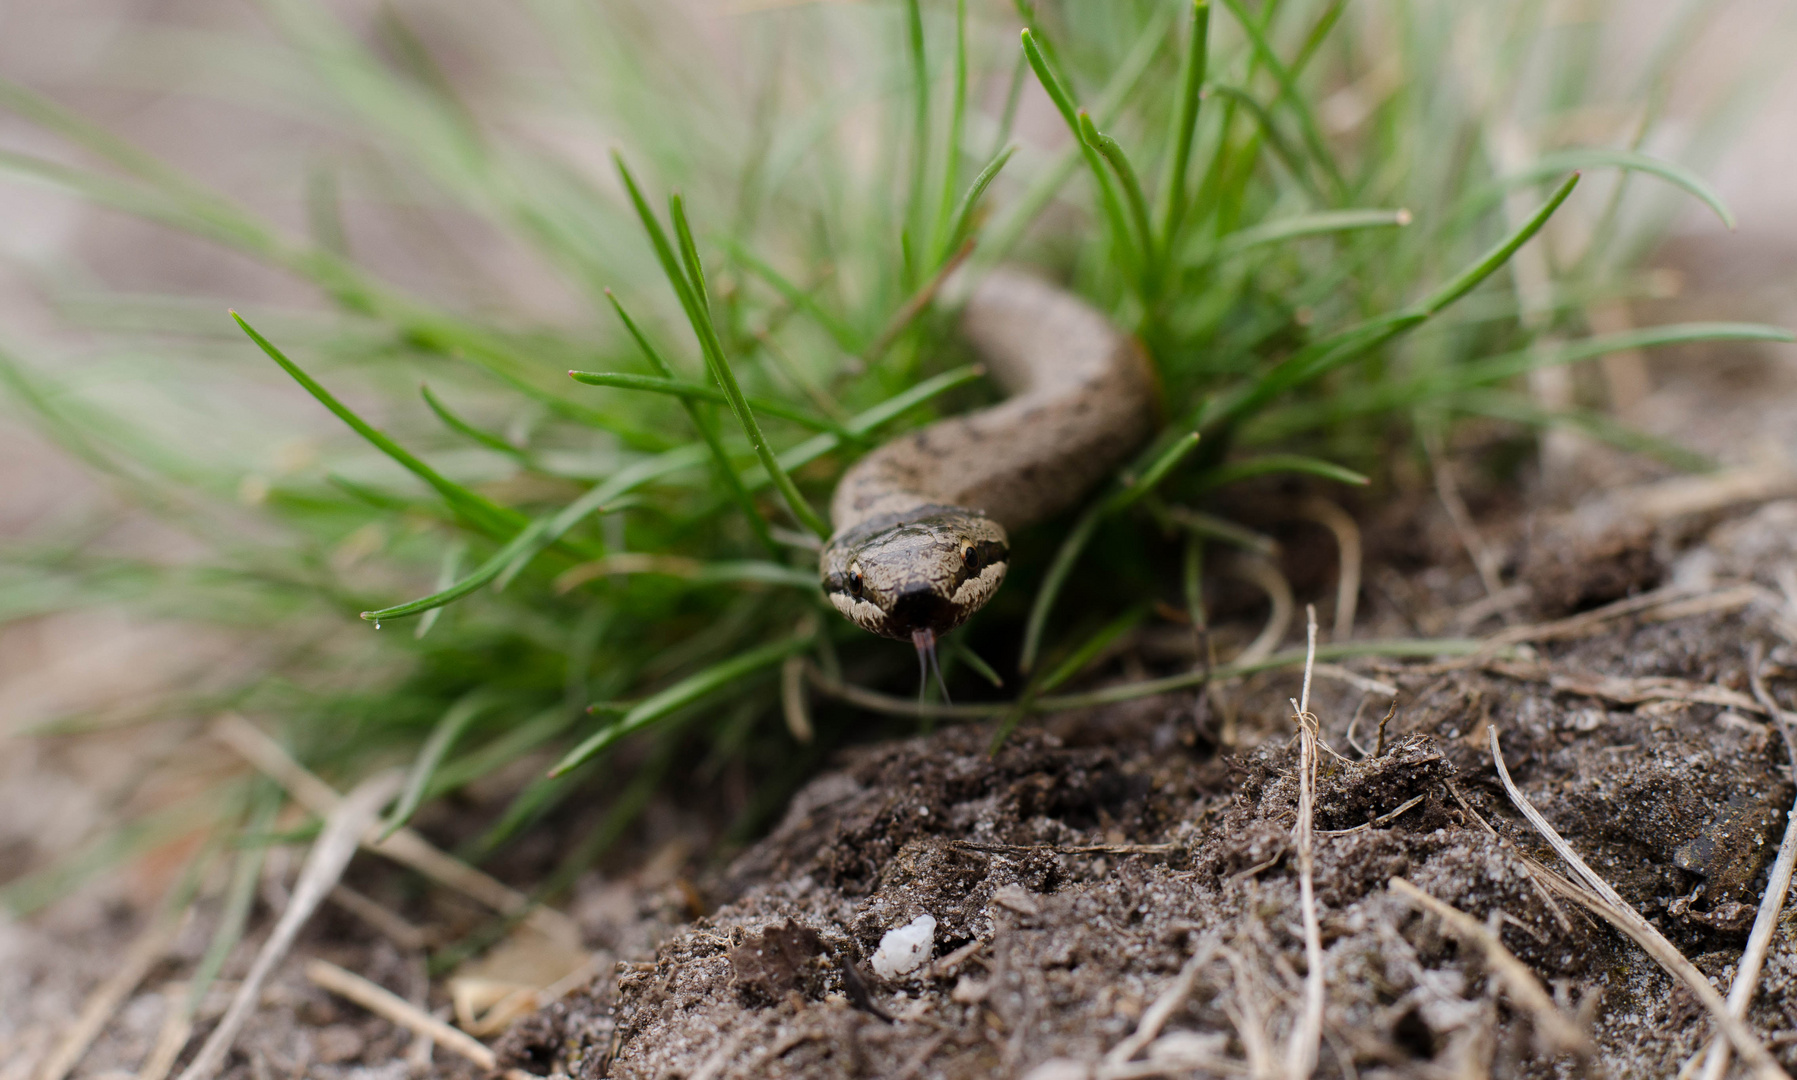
[906, 947]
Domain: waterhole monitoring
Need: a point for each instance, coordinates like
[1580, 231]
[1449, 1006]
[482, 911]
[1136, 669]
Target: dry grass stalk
[1590, 622]
[1484, 559]
[1555, 1029]
[1603, 900]
[177, 1026]
[390, 1006]
[144, 953]
[330, 856]
[1348, 548]
[390, 924]
[1626, 691]
[792, 700]
[1169, 1000]
[1301, 1050]
[405, 846]
[1262, 574]
[1772, 902]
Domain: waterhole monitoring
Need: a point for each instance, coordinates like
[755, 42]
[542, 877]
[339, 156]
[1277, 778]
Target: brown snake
[922, 523]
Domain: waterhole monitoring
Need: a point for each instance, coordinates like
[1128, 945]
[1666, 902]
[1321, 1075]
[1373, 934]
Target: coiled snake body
[921, 523]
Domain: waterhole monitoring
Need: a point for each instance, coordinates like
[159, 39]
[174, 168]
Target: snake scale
[922, 523]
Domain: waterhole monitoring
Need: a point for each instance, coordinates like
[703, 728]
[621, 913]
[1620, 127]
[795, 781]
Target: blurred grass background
[401, 196]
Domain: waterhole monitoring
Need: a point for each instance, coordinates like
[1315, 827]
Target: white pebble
[905, 947]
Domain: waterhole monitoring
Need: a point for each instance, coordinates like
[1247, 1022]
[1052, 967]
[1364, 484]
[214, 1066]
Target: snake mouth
[921, 609]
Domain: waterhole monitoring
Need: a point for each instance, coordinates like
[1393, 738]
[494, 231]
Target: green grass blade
[920, 132]
[964, 653]
[1554, 164]
[446, 576]
[1498, 368]
[689, 252]
[1017, 217]
[1237, 471]
[486, 572]
[1067, 555]
[1163, 462]
[1500, 253]
[1133, 194]
[870, 420]
[465, 429]
[963, 215]
[957, 123]
[1063, 102]
[1519, 409]
[685, 692]
[1303, 225]
[1289, 95]
[713, 348]
[1192, 70]
[847, 338]
[702, 422]
[467, 709]
[1281, 146]
[1089, 650]
[608, 494]
[691, 391]
[479, 509]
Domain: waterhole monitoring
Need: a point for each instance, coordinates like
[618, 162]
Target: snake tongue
[925, 641]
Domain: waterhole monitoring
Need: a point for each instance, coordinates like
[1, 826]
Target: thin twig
[1602, 899]
[1772, 901]
[404, 846]
[1555, 1029]
[1301, 1051]
[354, 816]
[1158, 1013]
[142, 955]
[390, 1006]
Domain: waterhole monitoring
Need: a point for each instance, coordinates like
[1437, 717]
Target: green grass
[1294, 204]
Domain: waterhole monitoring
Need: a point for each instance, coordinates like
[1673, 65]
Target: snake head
[924, 570]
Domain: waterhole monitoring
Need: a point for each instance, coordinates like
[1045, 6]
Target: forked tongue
[925, 641]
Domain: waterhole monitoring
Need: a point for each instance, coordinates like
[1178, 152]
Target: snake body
[922, 523]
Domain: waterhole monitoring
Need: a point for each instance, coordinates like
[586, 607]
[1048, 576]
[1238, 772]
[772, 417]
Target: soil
[1075, 872]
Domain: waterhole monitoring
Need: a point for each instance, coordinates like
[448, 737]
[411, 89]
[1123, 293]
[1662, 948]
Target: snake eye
[855, 583]
[971, 556]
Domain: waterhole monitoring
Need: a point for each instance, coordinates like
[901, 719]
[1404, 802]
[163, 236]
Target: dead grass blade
[1555, 1029]
[1669, 602]
[1607, 904]
[390, 1006]
[1307, 1036]
[336, 845]
[405, 846]
[1627, 691]
[1348, 550]
[1169, 1000]
[144, 953]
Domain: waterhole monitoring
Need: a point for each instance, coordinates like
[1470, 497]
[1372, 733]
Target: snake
[921, 524]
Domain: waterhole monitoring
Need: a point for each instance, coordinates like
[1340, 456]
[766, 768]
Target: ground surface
[1073, 874]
